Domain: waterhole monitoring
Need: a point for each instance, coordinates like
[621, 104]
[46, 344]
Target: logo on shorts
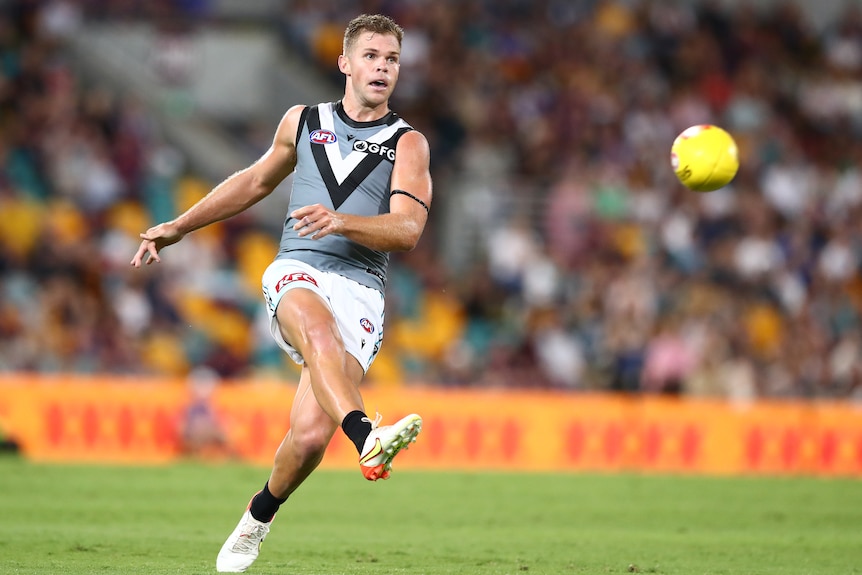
[322, 137]
[367, 325]
[294, 277]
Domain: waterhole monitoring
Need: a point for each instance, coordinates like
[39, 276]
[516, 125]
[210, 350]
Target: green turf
[73, 520]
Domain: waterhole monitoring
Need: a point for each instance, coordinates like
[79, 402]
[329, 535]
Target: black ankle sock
[357, 427]
[265, 504]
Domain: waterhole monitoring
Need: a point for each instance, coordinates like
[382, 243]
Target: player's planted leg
[242, 547]
[300, 452]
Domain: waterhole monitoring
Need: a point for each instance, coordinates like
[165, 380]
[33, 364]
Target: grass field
[172, 520]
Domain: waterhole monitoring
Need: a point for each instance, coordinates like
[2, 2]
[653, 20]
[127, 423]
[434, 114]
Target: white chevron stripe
[342, 167]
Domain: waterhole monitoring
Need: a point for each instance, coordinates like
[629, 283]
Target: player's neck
[362, 112]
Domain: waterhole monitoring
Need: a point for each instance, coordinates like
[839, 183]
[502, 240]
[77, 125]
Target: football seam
[712, 171]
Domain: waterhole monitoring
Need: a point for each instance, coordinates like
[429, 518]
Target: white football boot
[242, 547]
[384, 443]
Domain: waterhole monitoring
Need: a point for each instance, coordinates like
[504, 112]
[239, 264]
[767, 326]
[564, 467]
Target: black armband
[412, 197]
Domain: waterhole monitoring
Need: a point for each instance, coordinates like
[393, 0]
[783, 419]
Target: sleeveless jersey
[346, 166]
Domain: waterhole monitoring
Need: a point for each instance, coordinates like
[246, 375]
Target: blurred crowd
[578, 261]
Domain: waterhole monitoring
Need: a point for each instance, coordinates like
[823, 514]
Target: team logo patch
[294, 277]
[322, 137]
[367, 325]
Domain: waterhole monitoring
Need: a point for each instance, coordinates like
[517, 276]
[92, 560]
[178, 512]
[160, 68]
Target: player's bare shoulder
[289, 125]
[280, 160]
[413, 142]
[413, 149]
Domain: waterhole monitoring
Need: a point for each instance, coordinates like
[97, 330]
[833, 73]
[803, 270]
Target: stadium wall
[109, 420]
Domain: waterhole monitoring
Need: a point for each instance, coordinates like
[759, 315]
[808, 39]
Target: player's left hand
[316, 221]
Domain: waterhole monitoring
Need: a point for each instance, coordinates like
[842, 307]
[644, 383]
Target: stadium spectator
[578, 146]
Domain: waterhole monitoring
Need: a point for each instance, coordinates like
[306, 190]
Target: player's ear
[344, 64]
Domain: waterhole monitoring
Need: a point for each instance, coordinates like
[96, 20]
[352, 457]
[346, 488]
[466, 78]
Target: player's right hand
[153, 240]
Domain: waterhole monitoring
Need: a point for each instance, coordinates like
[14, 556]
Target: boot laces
[376, 423]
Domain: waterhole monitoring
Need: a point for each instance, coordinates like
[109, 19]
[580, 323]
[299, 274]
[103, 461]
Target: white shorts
[358, 309]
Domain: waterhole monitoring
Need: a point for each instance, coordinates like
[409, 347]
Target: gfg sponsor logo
[372, 148]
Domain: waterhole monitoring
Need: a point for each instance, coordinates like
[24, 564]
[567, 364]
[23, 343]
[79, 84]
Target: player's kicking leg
[383, 444]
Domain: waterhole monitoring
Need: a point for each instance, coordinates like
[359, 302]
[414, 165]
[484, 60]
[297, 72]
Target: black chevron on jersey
[339, 192]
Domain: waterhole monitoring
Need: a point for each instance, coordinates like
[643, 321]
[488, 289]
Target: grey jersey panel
[346, 166]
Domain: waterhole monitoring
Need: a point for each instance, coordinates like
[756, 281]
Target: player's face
[372, 67]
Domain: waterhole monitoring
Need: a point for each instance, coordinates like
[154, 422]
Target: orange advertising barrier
[127, 420]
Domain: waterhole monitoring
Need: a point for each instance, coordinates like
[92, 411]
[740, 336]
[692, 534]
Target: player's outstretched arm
[401, 228]
[234, 195]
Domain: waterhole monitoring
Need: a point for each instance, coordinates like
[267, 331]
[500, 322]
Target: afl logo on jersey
[367, 325]
[322, 137]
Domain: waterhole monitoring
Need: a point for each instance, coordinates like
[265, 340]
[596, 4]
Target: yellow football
[704, 158]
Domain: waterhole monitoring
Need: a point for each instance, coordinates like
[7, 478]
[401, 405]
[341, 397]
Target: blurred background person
[554, 179]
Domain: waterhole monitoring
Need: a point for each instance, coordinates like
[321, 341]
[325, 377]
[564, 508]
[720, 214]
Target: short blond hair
[376, 23]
